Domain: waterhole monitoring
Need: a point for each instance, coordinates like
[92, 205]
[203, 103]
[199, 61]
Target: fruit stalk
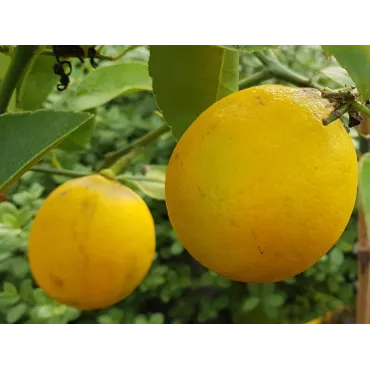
[22, 56]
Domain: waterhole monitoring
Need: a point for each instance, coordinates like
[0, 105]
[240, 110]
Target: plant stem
[362, 108]
[336, 114]
[255, 78]
[111, 158]
[277, 69]
[22, 56]
[59, 171]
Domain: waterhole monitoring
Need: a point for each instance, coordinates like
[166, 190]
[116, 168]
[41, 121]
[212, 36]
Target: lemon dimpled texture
[92, 243]
[257, 189]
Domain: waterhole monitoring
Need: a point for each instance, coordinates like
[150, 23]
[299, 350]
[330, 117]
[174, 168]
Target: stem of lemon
[22, 56]
[358, 106]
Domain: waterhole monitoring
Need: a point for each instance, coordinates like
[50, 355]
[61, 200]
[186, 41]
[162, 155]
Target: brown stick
[363, 288]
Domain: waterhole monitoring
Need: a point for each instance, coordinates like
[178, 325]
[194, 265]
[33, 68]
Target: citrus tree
[92, 130]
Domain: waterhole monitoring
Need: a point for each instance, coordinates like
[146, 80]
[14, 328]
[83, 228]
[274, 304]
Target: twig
[59, 171]
[362, 108]
[111, 158]
[255, 78]
[269, 60]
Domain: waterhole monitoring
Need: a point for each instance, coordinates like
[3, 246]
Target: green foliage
[249, 48]
[355, 59]
[189, 79]
[107, 83]
[177, 289]
[37, 84]
[26, 137]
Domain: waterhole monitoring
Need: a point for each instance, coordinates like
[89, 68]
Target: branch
[269, 60]
[111, 158]
[255, 78]
[358, 106]
[59, 171]
[22, 56]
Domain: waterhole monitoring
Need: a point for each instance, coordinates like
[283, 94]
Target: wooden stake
[363, 288]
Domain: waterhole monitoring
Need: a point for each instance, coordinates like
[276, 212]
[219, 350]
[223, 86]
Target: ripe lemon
[257, 189]
[92, 242]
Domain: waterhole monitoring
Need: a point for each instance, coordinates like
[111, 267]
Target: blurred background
[177, 289]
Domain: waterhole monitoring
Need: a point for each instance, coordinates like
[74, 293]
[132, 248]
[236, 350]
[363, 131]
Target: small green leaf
[10, 289]
[106, 83]
[274, 300]
[338, 75]
[176, 248]
[16, 312]
[189, 79]
[141, 319]
[151, 183]
[249, 48]
[10, 220]
[336, 257]
[44, 312]
[356, 60]
[26, 137]
[37, 84]
[7, 301]
[250, 304]
[156, 318]
[26, 290]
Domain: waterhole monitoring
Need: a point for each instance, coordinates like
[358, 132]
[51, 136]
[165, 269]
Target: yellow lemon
[257, 189]
[92, 242]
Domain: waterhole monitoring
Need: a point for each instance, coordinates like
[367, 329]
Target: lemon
[92, 243]
[257, 189]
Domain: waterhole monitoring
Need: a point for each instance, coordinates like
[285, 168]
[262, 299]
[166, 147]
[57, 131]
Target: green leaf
[38, 83]
[250, 304]
[10, 289]
[151, 183]
[249, 48]
[356, 60]
[80, 139]
[16, 312]
[26, 290]
[4, 64]
[338, 75]
[336, 257]
[274, 300]
[364, 187]
[7, 301]
[189, 79]
[107, 83]
[26, 137]
[156, 318]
